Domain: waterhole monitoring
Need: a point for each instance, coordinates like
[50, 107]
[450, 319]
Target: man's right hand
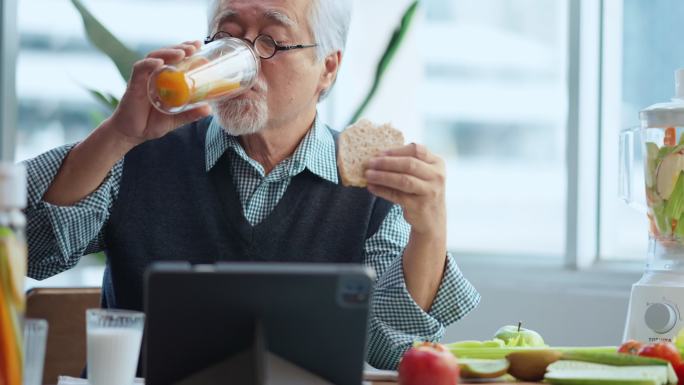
[136, 120]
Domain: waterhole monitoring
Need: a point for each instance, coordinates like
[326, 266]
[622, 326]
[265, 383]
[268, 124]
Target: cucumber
[481, 368]
[613, 358]
[568, 372]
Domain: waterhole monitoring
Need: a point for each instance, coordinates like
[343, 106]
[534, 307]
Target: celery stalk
[662, 222]
[674, 208]
[652, 151]
[498, 353]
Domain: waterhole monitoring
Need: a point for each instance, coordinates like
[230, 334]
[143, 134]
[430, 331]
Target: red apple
[630, 347]
[428, 363]
[664, 350]
[679, 370]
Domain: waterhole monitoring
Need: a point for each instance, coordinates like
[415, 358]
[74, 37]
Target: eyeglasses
[264, 45]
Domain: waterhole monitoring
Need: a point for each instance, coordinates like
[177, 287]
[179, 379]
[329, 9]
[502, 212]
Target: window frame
[9, 48]
[595, 32]
[583, 151]
[611, 99]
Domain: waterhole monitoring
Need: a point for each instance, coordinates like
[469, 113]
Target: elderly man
[255, 181]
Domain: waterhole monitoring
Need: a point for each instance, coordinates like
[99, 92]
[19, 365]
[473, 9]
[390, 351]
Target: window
[57, 65]
[643, 50]
[494, 108]
[486, 85]
[486, 81]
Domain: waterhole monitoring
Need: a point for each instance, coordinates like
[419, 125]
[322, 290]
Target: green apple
[519, 336]
[679, 340]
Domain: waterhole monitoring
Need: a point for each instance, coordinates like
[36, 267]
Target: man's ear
[331, 65]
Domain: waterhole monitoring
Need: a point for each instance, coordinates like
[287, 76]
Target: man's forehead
[285, 12]
[272, 15]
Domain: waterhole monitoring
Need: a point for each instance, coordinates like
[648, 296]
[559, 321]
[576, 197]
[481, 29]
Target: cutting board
[466, 382]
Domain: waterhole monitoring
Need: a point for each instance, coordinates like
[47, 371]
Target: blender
[657, 299]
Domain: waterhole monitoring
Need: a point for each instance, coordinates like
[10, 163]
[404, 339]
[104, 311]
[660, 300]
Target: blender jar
[659, 144]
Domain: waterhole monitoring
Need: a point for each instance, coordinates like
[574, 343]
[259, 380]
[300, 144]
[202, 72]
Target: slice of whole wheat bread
[360, 142]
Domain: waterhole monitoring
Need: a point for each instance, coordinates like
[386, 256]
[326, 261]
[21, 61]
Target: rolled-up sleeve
[396, 320]
[58, 236]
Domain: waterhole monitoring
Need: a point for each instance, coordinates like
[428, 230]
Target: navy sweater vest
[170, 209]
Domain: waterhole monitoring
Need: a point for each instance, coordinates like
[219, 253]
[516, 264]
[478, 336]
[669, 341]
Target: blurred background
[489, 85]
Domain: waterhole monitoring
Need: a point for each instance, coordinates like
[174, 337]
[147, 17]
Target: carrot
[10, 350]
[652, 224]
[3, 371]
[670, 137]
[10, 355]
[3, 337]
[172, 88]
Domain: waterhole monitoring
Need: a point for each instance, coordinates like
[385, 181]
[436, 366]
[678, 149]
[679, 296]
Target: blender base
[654, 308]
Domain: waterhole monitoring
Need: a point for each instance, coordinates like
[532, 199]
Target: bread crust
[359, 143]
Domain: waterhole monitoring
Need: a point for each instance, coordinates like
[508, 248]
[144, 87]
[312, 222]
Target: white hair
[243, 116]
[329, 22]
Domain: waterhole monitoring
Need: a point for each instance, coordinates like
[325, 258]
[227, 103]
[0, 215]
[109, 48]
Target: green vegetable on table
[502, 352]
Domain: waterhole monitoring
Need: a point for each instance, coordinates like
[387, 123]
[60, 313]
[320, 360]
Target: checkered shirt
[59, 236]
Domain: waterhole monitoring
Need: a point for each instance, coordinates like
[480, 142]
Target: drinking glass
[113, 345]
[221, 69]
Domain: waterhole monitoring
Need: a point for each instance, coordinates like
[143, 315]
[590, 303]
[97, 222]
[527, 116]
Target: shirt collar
[315, 152]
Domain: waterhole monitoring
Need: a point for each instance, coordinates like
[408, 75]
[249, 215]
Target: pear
[667, 173]
[530, 365]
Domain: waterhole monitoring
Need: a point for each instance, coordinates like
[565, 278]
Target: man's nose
[251, 36]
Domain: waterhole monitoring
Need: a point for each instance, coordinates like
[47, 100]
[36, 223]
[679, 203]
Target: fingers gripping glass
[223, 69]
[264, 45]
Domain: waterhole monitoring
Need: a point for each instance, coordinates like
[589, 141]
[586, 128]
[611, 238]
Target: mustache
[260, 85]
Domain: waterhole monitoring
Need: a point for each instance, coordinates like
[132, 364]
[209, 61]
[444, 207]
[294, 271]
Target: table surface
[465, 382]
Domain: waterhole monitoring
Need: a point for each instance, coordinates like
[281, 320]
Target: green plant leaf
[122, 56]
[108, 100]
[387, 57]
[96, 118]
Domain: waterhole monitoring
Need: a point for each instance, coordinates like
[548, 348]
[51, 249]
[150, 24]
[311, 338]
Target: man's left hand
[414, 178]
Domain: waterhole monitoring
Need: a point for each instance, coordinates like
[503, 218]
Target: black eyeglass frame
[276, 49]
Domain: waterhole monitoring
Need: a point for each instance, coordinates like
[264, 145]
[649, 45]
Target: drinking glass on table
[113, 345]
[35, 339]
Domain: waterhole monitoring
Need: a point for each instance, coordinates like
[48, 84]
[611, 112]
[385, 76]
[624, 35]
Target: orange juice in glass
[221, 69]
[13, 259]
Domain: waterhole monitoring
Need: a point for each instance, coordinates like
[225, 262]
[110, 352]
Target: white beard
[243, 116]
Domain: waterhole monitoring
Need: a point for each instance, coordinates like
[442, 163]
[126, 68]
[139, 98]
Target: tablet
[314, 316]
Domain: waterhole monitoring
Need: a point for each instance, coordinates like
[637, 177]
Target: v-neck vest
[169, 208]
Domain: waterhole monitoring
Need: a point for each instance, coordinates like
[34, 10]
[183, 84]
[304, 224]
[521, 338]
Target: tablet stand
[255, 366]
